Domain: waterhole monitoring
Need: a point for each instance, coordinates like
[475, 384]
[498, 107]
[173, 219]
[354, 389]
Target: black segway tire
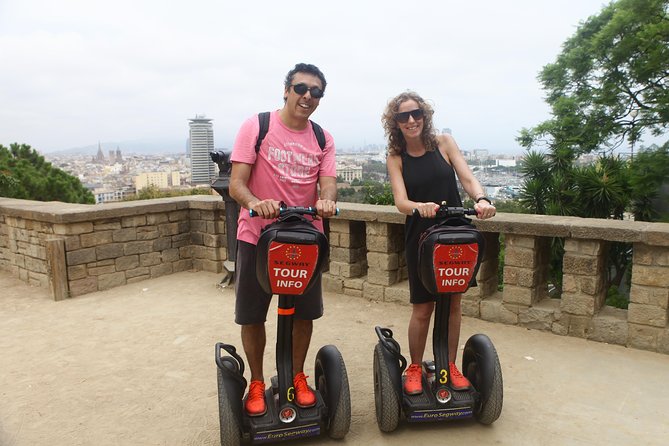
[332, 383]
[231, 433]
[480, 364]
[386, 402]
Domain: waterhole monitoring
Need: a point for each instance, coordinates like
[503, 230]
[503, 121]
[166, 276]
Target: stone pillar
[57, 268]
[525, 269]
[525, 274]
[348, 260]
[384, 243]
[486, 278]
[4, 243]
[583, 283]
[649, 298]
[207, 240]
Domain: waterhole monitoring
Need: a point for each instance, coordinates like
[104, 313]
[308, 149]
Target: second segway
[450, 253]
[290, 255]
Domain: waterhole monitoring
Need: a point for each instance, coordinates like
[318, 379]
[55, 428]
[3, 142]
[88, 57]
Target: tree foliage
[367, 191]
[600, 190]
[378, 193]
[649, 177]
[610, 82]
[25, 174]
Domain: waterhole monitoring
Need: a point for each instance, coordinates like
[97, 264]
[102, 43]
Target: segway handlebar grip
[308, 210]
[449, 211]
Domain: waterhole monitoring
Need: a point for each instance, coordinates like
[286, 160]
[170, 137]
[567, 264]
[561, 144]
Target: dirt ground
[135, 366]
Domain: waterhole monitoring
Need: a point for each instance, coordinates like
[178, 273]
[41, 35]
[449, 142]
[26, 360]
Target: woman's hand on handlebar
[325, 209]
[266, 208]
[426, 210]
[484, 210]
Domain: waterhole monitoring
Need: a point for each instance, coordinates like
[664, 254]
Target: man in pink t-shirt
[290, 167]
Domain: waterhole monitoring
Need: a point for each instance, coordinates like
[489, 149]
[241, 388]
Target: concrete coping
[521, 224]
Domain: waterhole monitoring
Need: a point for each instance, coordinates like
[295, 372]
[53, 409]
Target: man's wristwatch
[484, 198]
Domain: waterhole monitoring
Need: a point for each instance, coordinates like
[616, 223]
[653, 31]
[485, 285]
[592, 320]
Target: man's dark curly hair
[396, 142]
[304, 68]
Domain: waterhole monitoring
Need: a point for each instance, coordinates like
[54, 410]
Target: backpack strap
[320, 135]
[263, 120]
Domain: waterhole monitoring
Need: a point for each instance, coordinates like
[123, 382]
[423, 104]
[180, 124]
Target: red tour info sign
[291, 267]
[454, 266]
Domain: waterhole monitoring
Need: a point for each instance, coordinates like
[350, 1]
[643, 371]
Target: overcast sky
[75, 72]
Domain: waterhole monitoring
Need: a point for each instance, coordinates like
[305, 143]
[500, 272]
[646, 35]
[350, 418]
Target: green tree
[8, 184]
[509, 206]
[374, 170]
[378, 193]
[602, 189]
[649, 173]
[607, 86]
[25, 174]
[149, 192]
[344, 193]
[610, 82]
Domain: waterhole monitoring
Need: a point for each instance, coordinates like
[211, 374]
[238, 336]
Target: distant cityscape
[113, 175]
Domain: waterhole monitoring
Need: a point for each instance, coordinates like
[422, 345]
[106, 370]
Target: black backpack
[263, 119]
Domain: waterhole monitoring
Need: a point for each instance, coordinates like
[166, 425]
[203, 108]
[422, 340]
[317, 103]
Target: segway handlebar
[302, 210]
[449, 211]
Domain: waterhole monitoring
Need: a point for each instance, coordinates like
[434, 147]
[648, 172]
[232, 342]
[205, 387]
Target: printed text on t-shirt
[291, 164]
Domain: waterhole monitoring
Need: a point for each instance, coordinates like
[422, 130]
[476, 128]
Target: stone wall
[77, 249]
[580, 311]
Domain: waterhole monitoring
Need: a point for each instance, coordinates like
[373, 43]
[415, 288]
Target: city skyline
[84, 72]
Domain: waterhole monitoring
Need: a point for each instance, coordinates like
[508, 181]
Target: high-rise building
[200, 143]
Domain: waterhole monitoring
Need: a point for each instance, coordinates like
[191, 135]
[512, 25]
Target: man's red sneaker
[255, 400]
[304, 396]
[458, 381]
[413, 380]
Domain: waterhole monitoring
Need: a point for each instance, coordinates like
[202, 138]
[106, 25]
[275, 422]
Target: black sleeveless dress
[426, 178]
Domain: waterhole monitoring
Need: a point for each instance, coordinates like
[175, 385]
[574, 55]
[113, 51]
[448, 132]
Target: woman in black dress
[423, 167]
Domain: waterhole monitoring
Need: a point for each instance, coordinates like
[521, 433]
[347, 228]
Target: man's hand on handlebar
[266, 208]
[326, 209]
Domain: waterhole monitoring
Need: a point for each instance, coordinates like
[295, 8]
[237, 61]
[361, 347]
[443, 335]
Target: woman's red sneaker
[413, 380]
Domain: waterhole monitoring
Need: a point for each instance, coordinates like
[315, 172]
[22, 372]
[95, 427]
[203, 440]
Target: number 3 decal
[444, 376]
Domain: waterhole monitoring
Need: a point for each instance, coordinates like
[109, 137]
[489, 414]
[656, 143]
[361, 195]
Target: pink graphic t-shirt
[286, 168]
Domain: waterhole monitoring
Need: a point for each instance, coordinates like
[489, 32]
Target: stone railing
[77, 249]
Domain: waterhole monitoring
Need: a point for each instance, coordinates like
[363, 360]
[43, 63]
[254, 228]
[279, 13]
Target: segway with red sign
[450, 253]
[291, 253]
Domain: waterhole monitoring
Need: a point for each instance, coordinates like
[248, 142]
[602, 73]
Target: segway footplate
[440, 404]
[269, 428]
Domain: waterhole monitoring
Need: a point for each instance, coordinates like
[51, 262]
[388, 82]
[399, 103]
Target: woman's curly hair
[396, 142]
